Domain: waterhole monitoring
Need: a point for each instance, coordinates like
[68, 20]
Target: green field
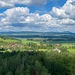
[71, 50]
[62, 42]
[8, 40]
[67, 45]
[27, 41]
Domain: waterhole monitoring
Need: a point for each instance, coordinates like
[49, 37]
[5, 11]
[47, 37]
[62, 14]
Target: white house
[58, 50]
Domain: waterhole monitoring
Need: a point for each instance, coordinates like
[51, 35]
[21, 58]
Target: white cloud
[65, 15]
[0, 28]
[20, 17]
[67, 11]
[73, 3]
[5, 4]
[11, 3]
[59, 13]
[67, 22]
[15, 15]
[1, 14]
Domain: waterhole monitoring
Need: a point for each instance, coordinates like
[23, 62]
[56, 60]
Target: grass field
[62, 42]
[1, 39]
[44, 50]
[9, 40]
[67, 45]
[71, 50]
[27, 41]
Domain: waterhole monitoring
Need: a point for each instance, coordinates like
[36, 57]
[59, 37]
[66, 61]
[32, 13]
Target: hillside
[5, 39]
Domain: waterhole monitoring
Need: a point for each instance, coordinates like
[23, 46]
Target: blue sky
[40, 15]
[44, 8]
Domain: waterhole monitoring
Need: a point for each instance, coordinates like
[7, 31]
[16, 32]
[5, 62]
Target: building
[58, 50]
[57, 45]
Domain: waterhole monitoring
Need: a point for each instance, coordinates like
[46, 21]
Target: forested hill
[30, 32]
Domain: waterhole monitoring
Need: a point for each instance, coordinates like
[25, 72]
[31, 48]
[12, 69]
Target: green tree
[9, 73]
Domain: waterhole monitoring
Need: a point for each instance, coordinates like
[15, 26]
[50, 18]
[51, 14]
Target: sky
[37, 15]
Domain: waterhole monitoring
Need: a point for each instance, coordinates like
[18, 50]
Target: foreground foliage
[37, 63]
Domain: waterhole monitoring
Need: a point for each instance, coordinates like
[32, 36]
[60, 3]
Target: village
[31, 47]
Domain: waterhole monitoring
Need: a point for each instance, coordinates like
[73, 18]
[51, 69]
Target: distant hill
[32, 32]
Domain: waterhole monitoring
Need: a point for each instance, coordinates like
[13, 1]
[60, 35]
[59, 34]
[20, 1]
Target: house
[7, 46]
[10, 45]
[30, 47]
[57, 45]
[30, 50]
[38, 45]
[8, 49]
[2, 46]
[44, 45]
[58, 50]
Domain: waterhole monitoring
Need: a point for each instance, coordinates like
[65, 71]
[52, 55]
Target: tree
[9, 73]
[38, 69]
[18, 73]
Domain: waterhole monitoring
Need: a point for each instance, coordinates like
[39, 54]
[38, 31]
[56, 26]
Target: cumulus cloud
[65, 14]
[67, 22]
[67, 11]
[73, 3]
[5, 4]
[1, 14]
[20, 17]
[11, 3]
[59, 13]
